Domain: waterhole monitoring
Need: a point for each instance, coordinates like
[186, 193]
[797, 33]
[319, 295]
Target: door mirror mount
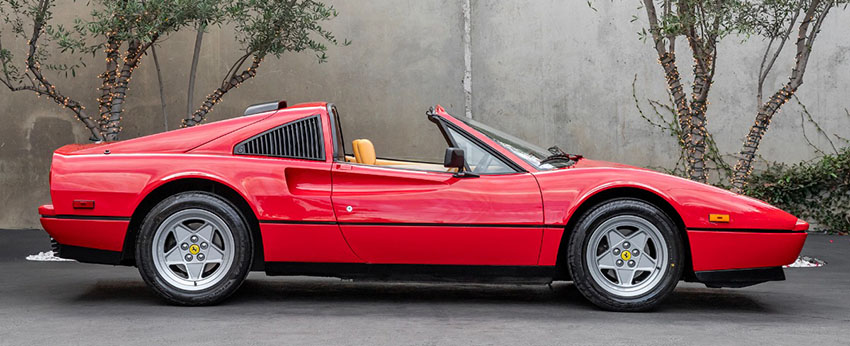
[455, 159]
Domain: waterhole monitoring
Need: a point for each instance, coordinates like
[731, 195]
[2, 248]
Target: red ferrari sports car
[196, 209]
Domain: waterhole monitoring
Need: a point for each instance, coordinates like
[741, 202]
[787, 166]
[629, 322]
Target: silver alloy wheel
[193, 249]
[627, 256]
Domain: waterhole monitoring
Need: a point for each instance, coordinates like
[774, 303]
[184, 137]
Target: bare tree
[815, 12]
[702, 24]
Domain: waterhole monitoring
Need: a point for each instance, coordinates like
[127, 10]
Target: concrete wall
[550, 71]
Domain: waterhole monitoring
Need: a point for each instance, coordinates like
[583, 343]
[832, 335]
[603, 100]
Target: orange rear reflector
[718, 217]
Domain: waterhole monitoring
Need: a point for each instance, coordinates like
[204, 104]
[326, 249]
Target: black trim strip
[88, 255]
[745, 230]
[298, 222]
[87, 217]
[737, 278]
[412, 224]
[416, 272]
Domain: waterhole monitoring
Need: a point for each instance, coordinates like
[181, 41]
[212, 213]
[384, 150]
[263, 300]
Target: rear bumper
[93, 232]
[86, 255]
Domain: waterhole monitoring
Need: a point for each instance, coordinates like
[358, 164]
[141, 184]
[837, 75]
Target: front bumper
[738, 258]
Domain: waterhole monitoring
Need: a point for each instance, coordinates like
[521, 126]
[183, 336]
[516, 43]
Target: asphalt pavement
[69, 303]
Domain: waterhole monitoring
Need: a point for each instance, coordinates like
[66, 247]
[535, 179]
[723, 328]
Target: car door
[392, 215]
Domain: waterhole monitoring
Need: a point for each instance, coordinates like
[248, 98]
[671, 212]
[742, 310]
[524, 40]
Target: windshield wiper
[559, 154]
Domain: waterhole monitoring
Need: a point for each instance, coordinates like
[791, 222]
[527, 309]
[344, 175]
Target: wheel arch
[185, 184]
[605, 195]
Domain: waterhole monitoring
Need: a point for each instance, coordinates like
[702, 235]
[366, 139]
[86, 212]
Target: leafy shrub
[816, 191]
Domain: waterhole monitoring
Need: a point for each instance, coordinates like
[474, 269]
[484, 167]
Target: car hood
[692, 200]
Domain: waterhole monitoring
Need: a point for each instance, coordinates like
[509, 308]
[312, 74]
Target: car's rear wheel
[194, 248]
[624, 255]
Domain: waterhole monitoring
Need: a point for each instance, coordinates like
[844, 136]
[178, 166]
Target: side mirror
[454, 159]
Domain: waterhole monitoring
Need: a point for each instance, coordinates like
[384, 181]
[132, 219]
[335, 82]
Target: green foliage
[272, 27]
[817, 191]
[142, 20]
[765, 18]
[769, 18]
[125, 30]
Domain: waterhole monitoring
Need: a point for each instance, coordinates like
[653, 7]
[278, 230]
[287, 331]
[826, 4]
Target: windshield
[528, 152]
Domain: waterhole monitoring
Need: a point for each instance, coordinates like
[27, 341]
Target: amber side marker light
[718, 217]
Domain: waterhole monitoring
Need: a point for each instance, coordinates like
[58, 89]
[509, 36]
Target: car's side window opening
[478, 159]
[364, 152]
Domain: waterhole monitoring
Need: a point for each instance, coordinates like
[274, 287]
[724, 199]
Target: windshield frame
[518, 147]
[444, 123]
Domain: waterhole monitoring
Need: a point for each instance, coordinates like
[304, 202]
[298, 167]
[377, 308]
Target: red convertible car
[275, 190]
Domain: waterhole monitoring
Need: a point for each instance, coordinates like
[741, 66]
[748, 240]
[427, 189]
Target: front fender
[564, 191]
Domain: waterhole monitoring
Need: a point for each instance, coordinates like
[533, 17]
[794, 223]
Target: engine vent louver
[300, 139]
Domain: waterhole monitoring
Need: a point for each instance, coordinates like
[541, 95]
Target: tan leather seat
[364, 151]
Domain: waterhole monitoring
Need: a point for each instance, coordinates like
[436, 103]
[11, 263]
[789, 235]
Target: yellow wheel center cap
[626, 255]
[194, 249]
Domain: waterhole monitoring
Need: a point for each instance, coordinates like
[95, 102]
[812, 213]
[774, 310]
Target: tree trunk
[43, 86]
[119, 90]
[805, 39]
[233, 82]
[161, 88]
[108, 80]
[698, 121]
[751, 145]
[691, 123]
[190, 93]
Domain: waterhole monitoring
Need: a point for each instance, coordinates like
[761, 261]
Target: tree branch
[161, 88]
[190, 92]
[47, 88]
[200, 115]
[764, 69]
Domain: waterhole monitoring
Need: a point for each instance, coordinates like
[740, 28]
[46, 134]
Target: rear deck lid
[176, 141]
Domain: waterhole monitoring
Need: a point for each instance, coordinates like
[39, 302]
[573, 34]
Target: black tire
[578, 244]
[242, 251]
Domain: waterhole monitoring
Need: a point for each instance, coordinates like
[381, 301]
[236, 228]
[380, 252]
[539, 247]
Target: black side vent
[300, 139]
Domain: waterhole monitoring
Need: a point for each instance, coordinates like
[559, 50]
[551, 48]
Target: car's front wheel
[625, 255]
[194, 248]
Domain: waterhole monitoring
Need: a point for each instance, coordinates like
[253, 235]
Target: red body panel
[564, 190]
[445, 244]
[713, 250]
[321, 211]
[177, 141]
[96, 234]
[408, 212]
[305, 243]
[549, 246]
[377, 194]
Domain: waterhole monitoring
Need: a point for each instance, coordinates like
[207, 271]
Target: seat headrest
[364, 151]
